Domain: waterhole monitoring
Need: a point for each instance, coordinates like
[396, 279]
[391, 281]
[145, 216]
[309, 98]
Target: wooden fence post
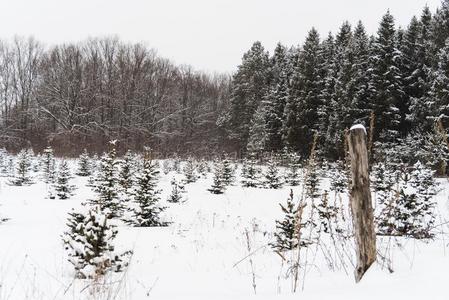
[360, 201]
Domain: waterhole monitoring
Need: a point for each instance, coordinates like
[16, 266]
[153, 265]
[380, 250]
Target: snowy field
[215, 248]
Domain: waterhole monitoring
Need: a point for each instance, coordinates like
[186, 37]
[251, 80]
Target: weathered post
[360, 201]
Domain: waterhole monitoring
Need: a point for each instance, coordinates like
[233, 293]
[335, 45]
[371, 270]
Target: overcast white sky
[210, 35]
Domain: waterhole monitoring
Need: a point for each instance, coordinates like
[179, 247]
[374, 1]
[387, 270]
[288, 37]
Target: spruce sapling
[84, 164]
[272, 176]
[178, 189]
[62, 186]
[146, 196]
[89, 243]
[218, 185]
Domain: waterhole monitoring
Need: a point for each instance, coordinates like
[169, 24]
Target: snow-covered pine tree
[249, 86]
[166, 166]
[190, 171]
[435, 150]
[338, 176]
[257, 134]
[23, 169]
[89, 243]
[177, 191]
[272, 177]
[404, 196]
[425, 188]
[250, 172]
[439, 91]
[303, 104]
[36, 162]
[287, 236]
[386, 80]
[293, 174]
[359, 107]
[146, 212]
[276, 98]
[62, 187]
[126, 178]
[84, 164]
[203, 168]
[341, 96]
[176, 163]
[4, 159]
[228, 171]
[440, 25]
[218, 185]
[48, 165]
[383, 178]
[106, 184]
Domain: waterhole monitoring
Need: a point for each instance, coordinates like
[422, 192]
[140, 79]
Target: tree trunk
[360, 201]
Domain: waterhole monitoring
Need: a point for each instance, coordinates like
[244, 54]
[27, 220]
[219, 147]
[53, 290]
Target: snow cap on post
[358, 126]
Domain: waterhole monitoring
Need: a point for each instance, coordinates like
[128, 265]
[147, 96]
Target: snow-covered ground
[203, 254]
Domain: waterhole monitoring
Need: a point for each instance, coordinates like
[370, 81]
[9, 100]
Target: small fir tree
[203, 168]
[228, 172]
[48, 164]
[272, 176]
[293, 175]
[106, 184]
[146, 196]
[177, 192]
[327, 213]
[23, 169]
[84, 164]
[126, 178]
[190, 172]
[218, 185]
[250, 172]
[62, 186]
[166, 166]
[89, 243]
[338, 178]
[4, 162]
[286, 230]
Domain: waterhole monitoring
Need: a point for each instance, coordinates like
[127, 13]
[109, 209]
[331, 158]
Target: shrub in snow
[190, 171]
[146, 210]
[23, 169]
[250, 172]
[177, 191]
[106, 185]
[63, 188]
[89, 243]
[218, 185]
[84, 164]
[272, 177]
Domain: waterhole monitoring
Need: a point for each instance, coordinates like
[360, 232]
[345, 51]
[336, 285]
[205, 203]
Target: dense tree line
[76, 96]
[398, 79]
[80, 95]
